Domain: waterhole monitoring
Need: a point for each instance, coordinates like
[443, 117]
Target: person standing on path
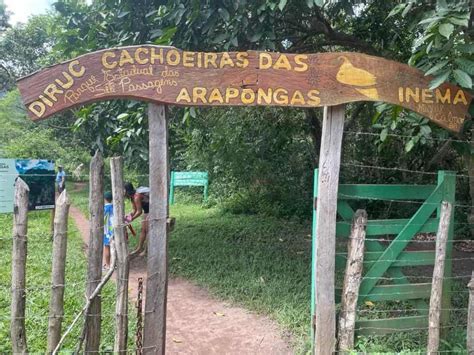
[140, 206]
[108, 228]
[60, 179]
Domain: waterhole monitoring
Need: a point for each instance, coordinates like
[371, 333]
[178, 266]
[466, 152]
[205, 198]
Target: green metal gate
[384, 261]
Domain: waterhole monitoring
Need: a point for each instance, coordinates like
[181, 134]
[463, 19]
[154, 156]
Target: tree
[4, 17]
[25, 48]
[397, 30]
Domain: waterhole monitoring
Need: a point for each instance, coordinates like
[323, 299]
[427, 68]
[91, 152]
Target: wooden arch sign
[172, 76]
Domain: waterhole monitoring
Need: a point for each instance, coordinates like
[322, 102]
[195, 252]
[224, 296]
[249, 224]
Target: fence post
[154, 337]
[350, 291]
[123, 266]
[448, 178]
[19, 252]
[172, 188]
[56, 305]
[470, 317]
[206, 188]
[328, 183]
[438, 274]
[96, 235]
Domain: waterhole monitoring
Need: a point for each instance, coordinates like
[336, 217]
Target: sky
[22, 9]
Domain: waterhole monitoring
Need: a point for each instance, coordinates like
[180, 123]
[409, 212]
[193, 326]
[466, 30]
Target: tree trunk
[56, 305]
[20, 230]
[315, 132]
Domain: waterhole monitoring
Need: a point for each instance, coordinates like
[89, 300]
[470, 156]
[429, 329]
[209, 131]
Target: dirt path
[199, 324]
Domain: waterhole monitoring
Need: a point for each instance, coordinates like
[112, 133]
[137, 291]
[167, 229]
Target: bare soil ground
[199, 324]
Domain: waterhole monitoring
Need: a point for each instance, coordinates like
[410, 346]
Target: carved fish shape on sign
[350, 75]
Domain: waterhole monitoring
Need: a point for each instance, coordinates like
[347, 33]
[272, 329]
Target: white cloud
[22, 9]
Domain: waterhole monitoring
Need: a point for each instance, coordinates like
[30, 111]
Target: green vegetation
[250, 244]
[263, 264]
[38, 278]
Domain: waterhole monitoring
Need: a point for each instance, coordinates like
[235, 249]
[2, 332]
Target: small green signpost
[189, 178]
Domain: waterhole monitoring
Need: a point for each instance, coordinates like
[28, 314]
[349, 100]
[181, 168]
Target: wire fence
[365, 310]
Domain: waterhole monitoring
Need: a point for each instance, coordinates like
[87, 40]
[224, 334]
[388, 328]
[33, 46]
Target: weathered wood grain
[350, 292]
[154, 337]
[438, 274]
[94, 251]
[328, 182]
[169, 75]
[19, 252]
[123, 263]
[58, 273]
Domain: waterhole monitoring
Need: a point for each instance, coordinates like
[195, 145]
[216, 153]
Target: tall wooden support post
[96, 234]
[438, 275]
[470, 317]
[157, 266]
[56, 304]
[123, 266]
[328, 183]
[20, 229]
[352, 278]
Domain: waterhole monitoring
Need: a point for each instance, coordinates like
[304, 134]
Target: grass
[260, 263]
[38, 286]
[263, 264]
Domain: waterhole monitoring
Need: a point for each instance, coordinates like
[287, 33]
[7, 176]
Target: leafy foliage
[444, 46]
[25, 48]
[21, 138]
[4, 17]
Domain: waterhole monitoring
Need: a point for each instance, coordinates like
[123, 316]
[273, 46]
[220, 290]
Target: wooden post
[171, 198]
[448, 178]
[206, 190]
[438, 274]
[470, 317]
[52, 221]
[96, 235]
[328, 183]
[352, 278]
[56, 305]
[20, 230]
[157, 266]
[123, 266]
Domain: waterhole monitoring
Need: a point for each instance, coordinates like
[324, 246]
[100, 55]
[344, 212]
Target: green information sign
[8, 174]
[39, 176]
[189, 178]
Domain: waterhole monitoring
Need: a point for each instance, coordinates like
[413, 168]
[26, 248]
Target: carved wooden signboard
[169, 75]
